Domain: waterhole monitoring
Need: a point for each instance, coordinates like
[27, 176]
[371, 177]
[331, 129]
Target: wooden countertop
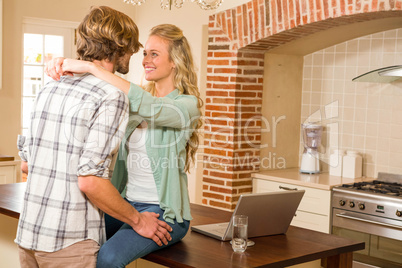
[298, 245]
[11, 196]
[322, 181]
[6, 158]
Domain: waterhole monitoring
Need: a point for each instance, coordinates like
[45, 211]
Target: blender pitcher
[310, 162]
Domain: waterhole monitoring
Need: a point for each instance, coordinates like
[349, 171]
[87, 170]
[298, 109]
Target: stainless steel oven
[371, 212]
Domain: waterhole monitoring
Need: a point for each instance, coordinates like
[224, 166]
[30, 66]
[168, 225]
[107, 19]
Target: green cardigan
[169, 129]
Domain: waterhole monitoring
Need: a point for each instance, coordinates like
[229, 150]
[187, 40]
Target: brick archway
[238, 40]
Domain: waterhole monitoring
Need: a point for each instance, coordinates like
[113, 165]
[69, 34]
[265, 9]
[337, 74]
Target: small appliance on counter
[310, 162]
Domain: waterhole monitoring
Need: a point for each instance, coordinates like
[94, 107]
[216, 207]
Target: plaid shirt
[76, 127]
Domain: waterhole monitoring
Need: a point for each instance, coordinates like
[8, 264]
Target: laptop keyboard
[221, 228]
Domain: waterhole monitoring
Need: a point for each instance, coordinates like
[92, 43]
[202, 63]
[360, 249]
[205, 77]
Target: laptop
[268, 214]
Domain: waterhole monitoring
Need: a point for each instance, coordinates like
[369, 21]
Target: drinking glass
[239, 235]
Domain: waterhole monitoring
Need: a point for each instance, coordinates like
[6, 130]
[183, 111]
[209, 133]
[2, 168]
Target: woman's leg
[126, 245]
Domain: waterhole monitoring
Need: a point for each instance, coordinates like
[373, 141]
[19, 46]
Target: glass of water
[239, 235]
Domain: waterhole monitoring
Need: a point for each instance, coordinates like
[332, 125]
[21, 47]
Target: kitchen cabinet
[314, 211]
[10, 171]
[8, 249]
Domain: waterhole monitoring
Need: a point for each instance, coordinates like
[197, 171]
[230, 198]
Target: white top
[141, 185]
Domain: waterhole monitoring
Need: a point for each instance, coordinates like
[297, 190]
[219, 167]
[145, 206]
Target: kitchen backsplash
[366, 117]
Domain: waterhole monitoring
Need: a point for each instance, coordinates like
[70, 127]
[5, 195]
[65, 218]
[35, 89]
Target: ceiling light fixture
[167, 4]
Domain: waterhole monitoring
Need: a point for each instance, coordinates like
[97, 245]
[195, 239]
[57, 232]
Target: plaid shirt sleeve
[105, 133]
[22, 148]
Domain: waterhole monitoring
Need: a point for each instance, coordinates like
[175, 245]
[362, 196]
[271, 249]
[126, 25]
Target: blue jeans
[124, 245]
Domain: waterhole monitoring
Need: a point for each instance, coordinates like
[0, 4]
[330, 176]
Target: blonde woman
[160, 141]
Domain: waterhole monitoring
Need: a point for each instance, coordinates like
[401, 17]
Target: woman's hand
[54, 69]
[58, 67]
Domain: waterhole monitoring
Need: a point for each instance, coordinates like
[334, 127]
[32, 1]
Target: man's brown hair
[106, 33]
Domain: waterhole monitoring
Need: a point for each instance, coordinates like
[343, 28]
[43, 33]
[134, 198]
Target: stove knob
[399, 213]
[362, 206]
[341, 202]
[351, 204]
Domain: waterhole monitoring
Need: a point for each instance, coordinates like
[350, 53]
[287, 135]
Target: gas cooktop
[386, 184]
[377, 186]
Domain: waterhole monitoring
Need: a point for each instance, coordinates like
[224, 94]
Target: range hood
[382, 75]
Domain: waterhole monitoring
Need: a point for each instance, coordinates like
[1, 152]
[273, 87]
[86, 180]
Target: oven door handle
[344, 215]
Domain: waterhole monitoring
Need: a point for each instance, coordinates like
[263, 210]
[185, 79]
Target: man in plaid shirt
[77, 124]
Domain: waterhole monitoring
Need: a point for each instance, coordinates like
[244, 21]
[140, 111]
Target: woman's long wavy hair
[185, 79]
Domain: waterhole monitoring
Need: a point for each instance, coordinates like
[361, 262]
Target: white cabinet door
[8, 249]
[311, 221]
[9, 171]
[7, 174]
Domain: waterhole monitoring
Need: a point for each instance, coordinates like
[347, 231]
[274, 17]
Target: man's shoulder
[96, 82]
[94, 85]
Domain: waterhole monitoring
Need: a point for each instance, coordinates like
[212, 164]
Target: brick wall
[238, 39]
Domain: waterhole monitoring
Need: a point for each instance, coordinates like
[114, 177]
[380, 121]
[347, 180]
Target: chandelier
[167, 4]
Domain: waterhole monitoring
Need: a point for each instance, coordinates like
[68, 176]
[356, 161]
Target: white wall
[359, 116]
[190, 18]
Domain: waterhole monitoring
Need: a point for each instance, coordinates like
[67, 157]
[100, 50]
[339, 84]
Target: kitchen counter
[10, 171]
[11, 196]
[6, 158]
[196, 250]
[322, 181]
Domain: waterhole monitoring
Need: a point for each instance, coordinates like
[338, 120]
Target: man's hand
[24, 167]
[149, 226]
[105, 196]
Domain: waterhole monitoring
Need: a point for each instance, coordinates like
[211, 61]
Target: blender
[310, 162]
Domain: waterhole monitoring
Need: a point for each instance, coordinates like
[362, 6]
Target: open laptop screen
[268, 214]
